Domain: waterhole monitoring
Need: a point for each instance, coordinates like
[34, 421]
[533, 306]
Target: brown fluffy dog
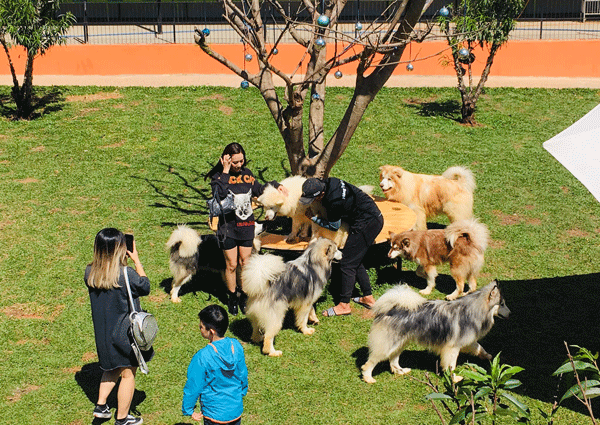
[461, 244]
[429, 195]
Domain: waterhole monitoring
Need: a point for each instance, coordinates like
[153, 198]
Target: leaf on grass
[521, 407]
[438, 396]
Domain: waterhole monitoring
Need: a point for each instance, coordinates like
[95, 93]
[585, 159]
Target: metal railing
[116, 22]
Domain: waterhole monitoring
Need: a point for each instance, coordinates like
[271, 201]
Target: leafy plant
[584, 369]
[480, 395]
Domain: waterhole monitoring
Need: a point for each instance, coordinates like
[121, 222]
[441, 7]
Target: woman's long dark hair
[230, 149]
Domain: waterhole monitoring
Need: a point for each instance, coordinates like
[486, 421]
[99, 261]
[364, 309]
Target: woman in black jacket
[105, 281]
[236, 230]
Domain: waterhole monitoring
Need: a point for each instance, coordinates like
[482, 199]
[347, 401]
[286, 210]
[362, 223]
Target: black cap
[311, 189]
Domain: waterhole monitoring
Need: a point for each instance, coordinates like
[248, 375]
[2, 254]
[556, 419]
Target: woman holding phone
[105, 281]
[235, 230]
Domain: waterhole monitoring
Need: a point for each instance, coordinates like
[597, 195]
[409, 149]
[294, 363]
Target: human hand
[197, 416]
[226, 162]
[134, 254]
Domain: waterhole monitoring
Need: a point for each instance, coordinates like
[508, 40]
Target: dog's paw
[308, 331]
[314, 321]
[453, 296]
[291, 239]
[369, 379]
[275, 353]
[397, 370]
[426, 291]
[175, 299]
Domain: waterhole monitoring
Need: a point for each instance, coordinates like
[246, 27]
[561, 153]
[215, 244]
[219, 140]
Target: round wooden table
[397, 218]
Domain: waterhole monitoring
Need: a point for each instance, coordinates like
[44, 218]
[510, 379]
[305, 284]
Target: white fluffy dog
[276, 203]
[273, 287]
[429, 195]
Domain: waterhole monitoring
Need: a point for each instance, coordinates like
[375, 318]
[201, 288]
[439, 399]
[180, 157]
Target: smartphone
[129, 242]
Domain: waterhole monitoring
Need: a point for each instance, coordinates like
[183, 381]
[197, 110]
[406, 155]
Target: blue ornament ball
[358, 26]
[463, 52]
[275, 51]
[410, 67]
[206, 32]
[444, 11]
[323, 20]
[316, 96]
[248, 57]
[320, 43]
[244, 84]
[338, 74]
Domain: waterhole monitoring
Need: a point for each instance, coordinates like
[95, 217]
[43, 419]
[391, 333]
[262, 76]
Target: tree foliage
[486, 23]
[375, 48]
[36, 26]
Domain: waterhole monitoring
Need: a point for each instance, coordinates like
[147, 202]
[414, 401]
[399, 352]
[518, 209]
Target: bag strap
[128, 289]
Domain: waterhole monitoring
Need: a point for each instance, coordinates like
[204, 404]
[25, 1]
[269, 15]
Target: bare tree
[486, 23]
[378, 46]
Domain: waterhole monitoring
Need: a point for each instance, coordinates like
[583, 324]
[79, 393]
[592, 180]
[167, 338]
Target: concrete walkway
[346, 81]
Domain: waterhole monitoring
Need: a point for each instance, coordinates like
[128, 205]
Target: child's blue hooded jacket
[218, 376]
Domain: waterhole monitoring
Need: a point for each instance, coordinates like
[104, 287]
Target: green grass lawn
[133, 158]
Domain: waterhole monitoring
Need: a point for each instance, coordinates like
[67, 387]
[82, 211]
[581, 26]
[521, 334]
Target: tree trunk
[24, 104]
[468, 111]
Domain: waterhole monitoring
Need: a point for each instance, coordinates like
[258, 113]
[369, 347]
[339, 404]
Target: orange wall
[518, 58]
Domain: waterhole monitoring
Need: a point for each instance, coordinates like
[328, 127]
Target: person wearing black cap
[345, 202]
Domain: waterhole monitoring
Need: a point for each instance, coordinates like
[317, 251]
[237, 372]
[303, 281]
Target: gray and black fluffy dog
[274, 286]
[444, 327]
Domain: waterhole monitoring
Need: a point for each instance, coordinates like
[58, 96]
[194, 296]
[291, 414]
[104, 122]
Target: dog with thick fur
[276, 203]
[446, 328]
[273, 287]
[462, 244]
[430, 195]
[190, 252]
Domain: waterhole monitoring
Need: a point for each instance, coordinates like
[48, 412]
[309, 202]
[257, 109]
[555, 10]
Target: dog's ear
[392, 234]
[406, 242]
[494, 292]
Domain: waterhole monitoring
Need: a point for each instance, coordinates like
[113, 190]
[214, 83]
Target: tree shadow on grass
[449, 109]
[88, 379]
[45, 101]
[544, 314]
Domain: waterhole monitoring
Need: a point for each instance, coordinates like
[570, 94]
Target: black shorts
[230, 243]
[235, 422]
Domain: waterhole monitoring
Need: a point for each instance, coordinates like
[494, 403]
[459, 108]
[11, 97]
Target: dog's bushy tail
[400, 297]
[463, 176]
[185, 240]
[259, 271]
[477, 233]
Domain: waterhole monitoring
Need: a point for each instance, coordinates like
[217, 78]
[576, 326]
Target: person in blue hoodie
[217, 375]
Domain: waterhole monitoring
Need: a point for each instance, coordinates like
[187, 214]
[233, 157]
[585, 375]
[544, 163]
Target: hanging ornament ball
[323, 20]
[444, 11]
[463, 52]
[358, 26]
[275, 51]
[338, 74]
[206, 32]
[320, 43]
[248, 57]
[410, 67]
[316, 96]
[244, 84]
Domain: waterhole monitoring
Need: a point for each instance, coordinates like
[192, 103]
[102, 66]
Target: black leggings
[352, 268]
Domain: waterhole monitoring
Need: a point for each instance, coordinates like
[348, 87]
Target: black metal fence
[117, 22]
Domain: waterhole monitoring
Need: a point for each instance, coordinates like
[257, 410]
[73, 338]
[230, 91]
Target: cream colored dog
[430, 195]
[276, 203]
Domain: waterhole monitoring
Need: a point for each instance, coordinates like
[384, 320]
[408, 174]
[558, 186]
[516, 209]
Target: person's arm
[243, 371]
[220, 185]
[193, 386]
[331, 225]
